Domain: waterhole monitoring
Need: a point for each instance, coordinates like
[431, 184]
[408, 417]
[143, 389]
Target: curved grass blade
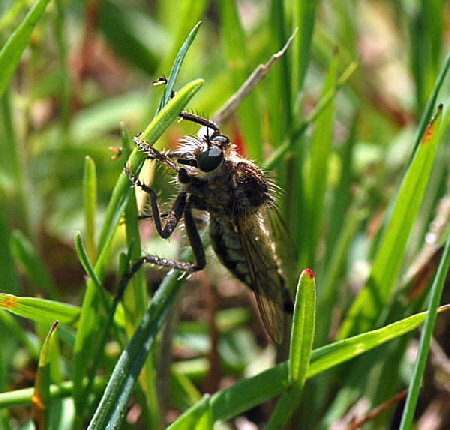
[13, 48]
[169, 86]
[430, 322]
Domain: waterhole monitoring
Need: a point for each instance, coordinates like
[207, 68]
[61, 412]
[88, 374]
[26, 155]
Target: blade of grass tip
[40, 310]
[175, 70]
[303, 325]
[430, 322]
[230, 106]
[41, 396]
[387, 263]
[15, 45]
[425, 118]
[90, 203]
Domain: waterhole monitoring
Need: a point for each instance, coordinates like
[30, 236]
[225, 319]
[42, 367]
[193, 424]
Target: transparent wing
[267, 280]
[285, 249]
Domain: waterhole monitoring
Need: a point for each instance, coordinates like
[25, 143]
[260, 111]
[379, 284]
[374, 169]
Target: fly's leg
[196, 245]
[154, 154]
[181, 207]
[173, 217]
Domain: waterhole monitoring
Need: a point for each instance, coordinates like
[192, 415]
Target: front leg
[154, 154]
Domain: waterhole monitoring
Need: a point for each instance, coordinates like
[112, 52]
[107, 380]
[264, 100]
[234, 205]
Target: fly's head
[204, 157]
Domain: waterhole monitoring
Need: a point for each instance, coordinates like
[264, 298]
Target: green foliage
[354, 133]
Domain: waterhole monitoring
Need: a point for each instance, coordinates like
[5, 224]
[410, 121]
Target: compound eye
[210, 159]
[220, 138]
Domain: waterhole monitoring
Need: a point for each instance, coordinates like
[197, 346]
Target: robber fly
[239, 199]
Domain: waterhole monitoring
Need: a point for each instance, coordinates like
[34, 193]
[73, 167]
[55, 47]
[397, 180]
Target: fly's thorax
[228, 183]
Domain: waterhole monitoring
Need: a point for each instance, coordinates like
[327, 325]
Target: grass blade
[13, 48]
[40, 310]
[371, 300]
[110, 411]
[41, 395]
[430, 322]
[90, 203]
[300, 352]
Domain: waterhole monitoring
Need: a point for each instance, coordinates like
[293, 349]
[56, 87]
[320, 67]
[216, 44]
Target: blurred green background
[343, 111]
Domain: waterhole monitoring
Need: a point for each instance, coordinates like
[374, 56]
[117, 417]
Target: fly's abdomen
[227, 246]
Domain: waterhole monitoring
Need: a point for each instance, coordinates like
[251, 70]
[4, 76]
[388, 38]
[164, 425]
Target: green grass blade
[85, 261]
[115, 398]
[40, 310]
[192, 12]
[90, 204]
[302, 337]
[24, 396]
[373, 297]
[427, 333]
[303, 326]
[41, 395]
[13, 48]
[175, 70]
[283, 149]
